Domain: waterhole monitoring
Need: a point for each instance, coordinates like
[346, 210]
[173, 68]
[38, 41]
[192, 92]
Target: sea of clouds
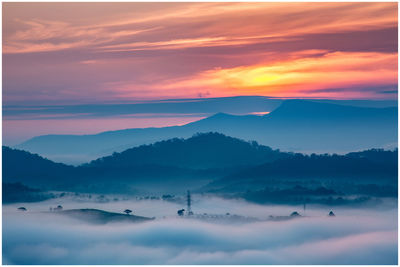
[354, 236]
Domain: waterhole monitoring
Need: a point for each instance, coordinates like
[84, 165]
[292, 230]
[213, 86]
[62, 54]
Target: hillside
[31, 169]
[17, 192]
[211, 162]
[202, 151]
[35, 171]
[101, 217]
[350, 169]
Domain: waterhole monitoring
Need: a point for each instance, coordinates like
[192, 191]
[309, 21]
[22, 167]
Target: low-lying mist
[354, 236]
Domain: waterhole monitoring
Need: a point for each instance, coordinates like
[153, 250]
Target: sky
[108, 53]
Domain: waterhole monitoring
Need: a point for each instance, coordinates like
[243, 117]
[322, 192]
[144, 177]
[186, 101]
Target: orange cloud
[299, 76]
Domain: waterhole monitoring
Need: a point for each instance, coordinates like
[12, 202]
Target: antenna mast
[189, 204]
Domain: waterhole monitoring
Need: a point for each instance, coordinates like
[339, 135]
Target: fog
[354, 236]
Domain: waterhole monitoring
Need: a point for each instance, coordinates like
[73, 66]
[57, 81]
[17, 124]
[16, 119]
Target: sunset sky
[107, 53]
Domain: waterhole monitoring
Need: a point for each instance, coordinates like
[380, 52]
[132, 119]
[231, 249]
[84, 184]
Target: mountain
[377, 155]
[31, 169]
[171, 165]
[320, 166]
[35, 171]
[206, 162]
[296, 125]
[202, 151]
[175, 164]
[17, 192]
[356, 167]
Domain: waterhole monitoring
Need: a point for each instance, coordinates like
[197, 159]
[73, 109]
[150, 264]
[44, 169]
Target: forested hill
[202, 151]
[178, 164]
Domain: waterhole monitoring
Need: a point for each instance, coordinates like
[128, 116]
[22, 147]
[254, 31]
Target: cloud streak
[282, 20]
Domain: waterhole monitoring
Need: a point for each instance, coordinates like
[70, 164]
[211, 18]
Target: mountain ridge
[168, 166]
[326, 127]
[205, 150]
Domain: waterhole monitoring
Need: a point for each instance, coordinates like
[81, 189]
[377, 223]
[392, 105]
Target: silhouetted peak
[15, 155]
[202, 150]
[208, 135]
[216, 119]
[220, 116]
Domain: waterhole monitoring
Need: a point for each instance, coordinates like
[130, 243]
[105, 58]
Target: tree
[295, 214]
[180, 212]
[127, 211]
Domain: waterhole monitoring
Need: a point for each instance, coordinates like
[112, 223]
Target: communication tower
[189, 204]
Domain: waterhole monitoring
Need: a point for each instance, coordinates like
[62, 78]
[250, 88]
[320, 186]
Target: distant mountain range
[296, 125]
[237, 105]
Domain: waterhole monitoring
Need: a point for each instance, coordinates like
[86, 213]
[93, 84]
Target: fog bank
[354, 236]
